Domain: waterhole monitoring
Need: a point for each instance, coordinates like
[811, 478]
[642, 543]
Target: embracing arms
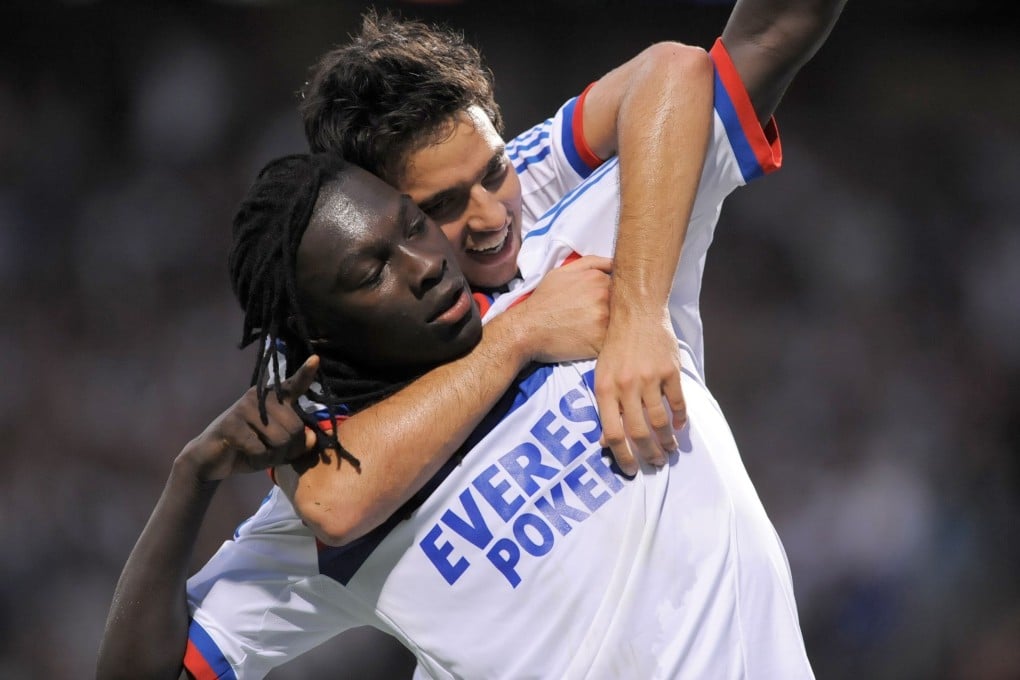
[655, 111]
[404, 440]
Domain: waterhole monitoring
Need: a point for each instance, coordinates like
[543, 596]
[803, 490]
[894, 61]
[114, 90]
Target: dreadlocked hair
[267, 231]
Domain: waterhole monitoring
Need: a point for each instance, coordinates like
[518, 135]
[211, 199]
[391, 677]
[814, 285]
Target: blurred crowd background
[862, 306]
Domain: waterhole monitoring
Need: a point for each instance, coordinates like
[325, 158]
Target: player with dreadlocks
[271, 276]
[268, 229]
[305, 268]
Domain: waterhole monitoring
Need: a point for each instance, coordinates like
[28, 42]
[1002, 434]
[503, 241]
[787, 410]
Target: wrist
[626, 309]
[511, 339]
[192, 463]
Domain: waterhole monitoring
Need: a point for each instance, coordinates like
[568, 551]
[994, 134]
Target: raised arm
[770, 40]
[402, 441]
[147, 627]
[655, 111]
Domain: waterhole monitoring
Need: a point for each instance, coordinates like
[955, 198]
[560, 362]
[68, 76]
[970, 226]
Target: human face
[378, 282]
[466, 183]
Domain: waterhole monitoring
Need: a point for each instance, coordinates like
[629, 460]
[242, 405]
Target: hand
[237, 441]
[565, 318]
[637, 387]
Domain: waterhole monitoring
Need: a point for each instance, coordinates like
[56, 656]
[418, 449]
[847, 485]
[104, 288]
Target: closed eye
[371, 277]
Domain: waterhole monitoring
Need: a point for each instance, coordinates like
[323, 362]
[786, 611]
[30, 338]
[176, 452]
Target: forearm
[770, 40]
[663, 128]
[402, 441]
[147, 627]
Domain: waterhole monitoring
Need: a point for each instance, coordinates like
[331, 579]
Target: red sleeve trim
[589, 157]
[196, 665]
[764, 142]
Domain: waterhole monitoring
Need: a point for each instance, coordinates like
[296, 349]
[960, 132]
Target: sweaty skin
[664, 87]
[146, 633]
[477, 199]
[655, 112]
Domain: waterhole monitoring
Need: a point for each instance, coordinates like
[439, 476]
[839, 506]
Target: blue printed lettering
[545, 534]
[598, 464]
[495, 494]
[582, 487]
[473, 528]
[524, 464]
[553, 441]
[585, 413]
[558, 510]
[504, 555]
[439, 555]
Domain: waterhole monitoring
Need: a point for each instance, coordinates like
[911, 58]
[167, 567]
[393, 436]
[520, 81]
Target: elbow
[674, 59]
[332, 525]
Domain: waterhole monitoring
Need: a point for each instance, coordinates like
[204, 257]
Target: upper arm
[663, 61]
[770, 40]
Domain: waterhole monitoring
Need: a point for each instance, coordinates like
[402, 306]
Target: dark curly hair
[391, 90]
[267, 231]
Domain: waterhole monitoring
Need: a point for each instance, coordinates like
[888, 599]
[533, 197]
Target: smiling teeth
[493, 248]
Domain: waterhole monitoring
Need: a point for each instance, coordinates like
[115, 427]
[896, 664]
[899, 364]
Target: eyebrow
[489, 167]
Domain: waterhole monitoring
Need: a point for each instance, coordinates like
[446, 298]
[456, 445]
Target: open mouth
[488, 243]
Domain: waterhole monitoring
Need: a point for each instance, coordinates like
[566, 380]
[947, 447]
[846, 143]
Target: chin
[494, 276]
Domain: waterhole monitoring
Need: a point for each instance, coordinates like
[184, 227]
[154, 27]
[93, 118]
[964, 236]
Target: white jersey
[551, 159]
[533, 556]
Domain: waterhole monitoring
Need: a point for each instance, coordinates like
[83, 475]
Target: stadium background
[862, 306]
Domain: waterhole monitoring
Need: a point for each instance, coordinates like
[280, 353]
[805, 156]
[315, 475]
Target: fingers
[614, 439]
[640, 425]
[635, 425]
[284, 427]
[674, 395]
[297, 384]
[238, 436]
[613, 435]
[659, 420]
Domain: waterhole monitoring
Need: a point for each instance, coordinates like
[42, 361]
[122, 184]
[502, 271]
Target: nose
[426, 268]
[485, 211]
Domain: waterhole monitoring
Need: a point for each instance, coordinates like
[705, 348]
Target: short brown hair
[391, 90]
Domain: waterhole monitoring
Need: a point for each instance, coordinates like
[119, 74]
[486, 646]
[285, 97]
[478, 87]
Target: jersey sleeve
[552, 158]
[754, 150]
[260, 601]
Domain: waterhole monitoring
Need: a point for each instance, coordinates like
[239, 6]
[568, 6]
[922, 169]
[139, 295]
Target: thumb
[298, 384]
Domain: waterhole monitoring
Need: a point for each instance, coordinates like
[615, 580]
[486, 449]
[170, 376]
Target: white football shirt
[533, 556]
